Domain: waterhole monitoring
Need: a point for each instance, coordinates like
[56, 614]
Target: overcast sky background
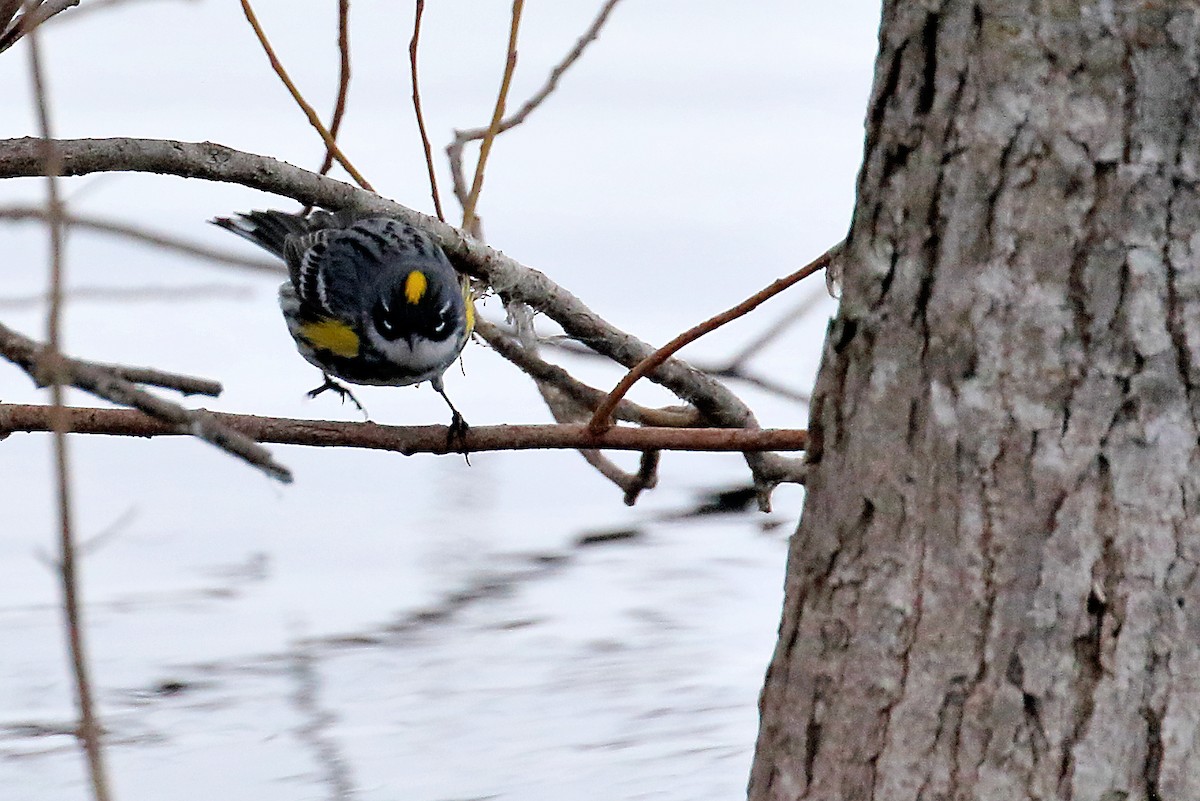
[418, 628]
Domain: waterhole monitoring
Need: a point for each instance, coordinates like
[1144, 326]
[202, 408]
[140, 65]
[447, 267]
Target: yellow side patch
[470, 301]
[333, 336]
[415, 286]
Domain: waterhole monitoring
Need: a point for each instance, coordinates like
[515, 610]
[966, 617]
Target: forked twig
[309, 112]
[455, 148]
[602, 418]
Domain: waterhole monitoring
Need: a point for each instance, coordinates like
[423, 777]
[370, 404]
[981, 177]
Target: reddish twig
[602, 418]
[308, 110]
[410, 440]
[485, 147]
[413, 46]
[339, 108]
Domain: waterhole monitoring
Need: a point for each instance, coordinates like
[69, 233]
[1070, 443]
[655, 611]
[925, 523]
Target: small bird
[369, 300]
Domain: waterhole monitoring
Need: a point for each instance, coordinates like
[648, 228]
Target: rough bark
[992, 593]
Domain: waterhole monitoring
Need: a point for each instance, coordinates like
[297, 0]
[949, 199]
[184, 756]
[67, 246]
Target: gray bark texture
[993, 590]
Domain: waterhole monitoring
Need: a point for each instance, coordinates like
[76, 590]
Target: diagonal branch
[600, 419]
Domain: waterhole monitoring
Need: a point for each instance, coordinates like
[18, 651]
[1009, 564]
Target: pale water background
[417, 628]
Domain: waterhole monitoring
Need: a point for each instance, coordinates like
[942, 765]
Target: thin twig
[729, 369]
[586, 396]
[24, 213]
[413, 46]
[151, 377]
[51, 361]
[102, 383]
[410, 440]
[339, 108]
[602, 418]
[309, 112]
[510, 63]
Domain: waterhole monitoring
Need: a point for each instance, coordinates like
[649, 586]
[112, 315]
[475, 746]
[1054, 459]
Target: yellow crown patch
[414, 286]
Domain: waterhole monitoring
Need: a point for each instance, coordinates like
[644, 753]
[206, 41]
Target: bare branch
[409, 440]
[30, 356]
[511, 280]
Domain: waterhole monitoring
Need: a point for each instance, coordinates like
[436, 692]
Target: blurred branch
[410, 440]
[36, 12]
[308, 110]
[413, 46]
[511, 280]
[105, 383]
[50, 361]
[469, 222]
[24, 213]
[455, 149]
[189, 293]
[601, 418]
[339, 108]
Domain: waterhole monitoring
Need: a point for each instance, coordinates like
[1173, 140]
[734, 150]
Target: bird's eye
[385, 324]
[442, 326]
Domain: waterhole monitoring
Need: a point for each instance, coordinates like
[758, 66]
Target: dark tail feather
[267, 229]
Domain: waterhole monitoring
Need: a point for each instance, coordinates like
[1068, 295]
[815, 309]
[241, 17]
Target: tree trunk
[992, 593]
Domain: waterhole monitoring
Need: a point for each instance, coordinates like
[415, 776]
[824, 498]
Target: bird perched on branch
[370, 300]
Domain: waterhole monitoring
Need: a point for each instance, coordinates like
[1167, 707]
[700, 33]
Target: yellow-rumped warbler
[370, 300]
